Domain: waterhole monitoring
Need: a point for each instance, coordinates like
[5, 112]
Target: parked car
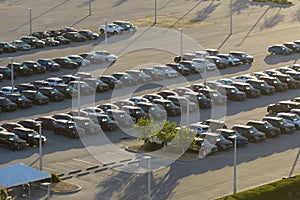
[51, 42]
[21, 100]
[67, 29]
[168, 72]
[121, 103]
[11, 125]
[268, 129]
[68, 128]
[179, 68]
[233, 135]
[111, 29]
[85, 89]
[74, 37]
[30, 123]
[139, 75]
[181, 90]
[214, 95]
[87, 125]
[262, 86]
[83, 75]
[154, 111]
[49, 64]
[7, 105]
[33, 41]
[203, 63]
[79, 60]
[137, 100]
[30, 136]
[219, 62]
[54, 81]
[155, 75]
[96, 84]
[250, 91]
[20, 45]
[111, 81]
[40, 34]
[291, 118]
[166, 93]
[52, 93]
[282, 106]
[65, 62]
[93, 111]
[89, 34]
[135, 112]
[152, 96]
[127, 26]
[232, 61]
[200, 99]
[126, 79]
[6, 72]
[68, 78]
[7, 47]
[21, 70]
[232, 93]
[199, 128]
[104, 56]
[293, 46]
[62, 116]
[194, 69]
[120, 116]
[280, 123]
[276, 83]
[53, 33]
[219, 140]
[290, 81]
[6, 90]
[34, 66]
[107, 106]
[251, 133]
[244, 57]
[46, 121]
[280, 49]
[36, 97]
[183, 103]
[214, 124]
[11, 141]
[169, 106]
[25, 86]
[40, 83]
[62, 40]
[106, 123]
[67, 90]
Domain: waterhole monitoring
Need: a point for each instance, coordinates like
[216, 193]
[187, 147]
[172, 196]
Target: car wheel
[297, 127]
[101, 31]
[252, 139]
[115, 32]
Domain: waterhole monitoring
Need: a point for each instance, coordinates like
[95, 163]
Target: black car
[40, 34]
[219, 140]
[169, 106]
[49, 64]
[111, 81]
[11, 141]
[180, 68]
[97, 84]
[85, 89]
[21, 100]
[7, 47]
[282, 106]
[68, 78]
[46, 121]
[264, 127]
[79, 60]
[21, 70]
[139, 75]
[41, 83]
[290, 81]
[291, 45]
[11, 125]
[244, 57]
[25, 86]
[120, 116]
[219, 62]
[231, 135]
[33, 41]
[232, 93]
[29, 123]
[153, 110]
[214, 95]
[7, 105]
[152, 96]
[65, 127]
[280, 49]
[250, 91]
[251, 133]
[51, 42]
[189, 65]
[36, 97]
[262, 86]
[67, 29]
[6, 72]
[126, 79]
[67, 90]
[276, 83]
[53, 33]
[127, 26]
[199, 99]
[121, 103]
[106, 123]
[62, 116]
[165, 93]
[36, 67]
[62, 40]
[280, 123]
[65, 62]
[135, 112]
[74, 36]
[30, 136]
[155, 75]
[89, 34]
[107, 106]
[52, 93]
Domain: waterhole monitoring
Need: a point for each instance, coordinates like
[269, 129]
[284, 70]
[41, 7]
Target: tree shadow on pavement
[205, 12]
[272, 21]
[120, 2]
[239, 5]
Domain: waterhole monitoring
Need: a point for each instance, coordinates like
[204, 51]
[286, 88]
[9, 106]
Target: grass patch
[282, 2]
[287, 189]
[64, 187]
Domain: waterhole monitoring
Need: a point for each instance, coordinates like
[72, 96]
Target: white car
[54, 81]
[127, 26]
[203, 63]
[167, 71]
[201, 54]
[243, 78]
[200, 128]
[111, 28]
[79, 60]
[6, 90]
[259, 74]
[104, 56]
[291, 118]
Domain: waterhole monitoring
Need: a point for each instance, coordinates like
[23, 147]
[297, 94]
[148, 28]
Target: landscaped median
[286, 189]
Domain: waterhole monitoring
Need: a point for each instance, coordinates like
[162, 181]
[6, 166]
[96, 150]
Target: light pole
[12, 72]
[30, 21]
[105, 34]
[155, 11]
[148, 158]
[40, 146]
[230, 17]
[78, 96]
[90, 7]
[187, 111]
[181, 43]
[234, 163]
[205, 71]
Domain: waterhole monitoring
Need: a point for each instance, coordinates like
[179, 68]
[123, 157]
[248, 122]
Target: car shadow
[274, 59]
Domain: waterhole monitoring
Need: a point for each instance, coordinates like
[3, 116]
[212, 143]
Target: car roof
[6, 133]
[242, 126]
[286, 114]
[271, 117]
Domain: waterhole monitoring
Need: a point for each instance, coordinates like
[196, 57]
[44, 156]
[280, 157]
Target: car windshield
[13, 137]
[253, 130]
[221, 137]
[268, 125]
[22, 97]
[38, 94]
[32, 133]
[294, 118]
[283, 121]
[262, 85]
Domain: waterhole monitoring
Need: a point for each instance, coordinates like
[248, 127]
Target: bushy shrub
[3, 193]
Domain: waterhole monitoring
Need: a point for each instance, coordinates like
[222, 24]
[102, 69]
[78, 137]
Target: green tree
[167, 133]
[3, 193]
[146, 129]
[184, 138]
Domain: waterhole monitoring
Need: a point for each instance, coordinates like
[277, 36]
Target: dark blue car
[280, 49]
[49, 64]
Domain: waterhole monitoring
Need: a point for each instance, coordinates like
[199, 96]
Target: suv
[7, 47]
[25, 86]
[245, 58]
[120, 116]
[29, 123]
[97, 84]
[282, 106]
[231, 134]
[169, 106]
[68, 128]
[152, 96]
[7, 105]
[49, 64]
[21, 70]
[262, 86]
[264, 127]
[292, 83]
[214, 124]
[89, 34]
[155, 75]
[291, 118]
[127, 79]
[36, 67]
[36, 97]
[250, 91]
[280, 49]
[183, 103]
[199, 98]
[67, 90]
[139, 75]
[214, 95]
[153, 110]
[179, 68]
[280, 123]
[52, 93]
[111, 81]
[6, 72]
[279, 86]
[11, 141]
[106, 123]
[135, 112]
[88, 125]
[85, 89]
[74, 37]
[232, 93]
[251, 133]
[47, 122]
[33, 41]
[29, 135]
[221, 142]
[65, 62]
[21, 100]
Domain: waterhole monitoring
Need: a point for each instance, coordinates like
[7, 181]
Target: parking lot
[253, 31]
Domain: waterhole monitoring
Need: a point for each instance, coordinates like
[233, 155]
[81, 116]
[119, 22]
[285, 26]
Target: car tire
[252, 140]
[115, 32]
[101, 31]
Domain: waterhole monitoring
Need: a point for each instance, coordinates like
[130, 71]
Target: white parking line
[83, 161]
[69, 166]
[51, 169]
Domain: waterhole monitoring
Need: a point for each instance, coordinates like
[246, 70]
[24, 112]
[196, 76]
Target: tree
[146, 129]
[184, 138]
[3, 193]
[167, 133]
